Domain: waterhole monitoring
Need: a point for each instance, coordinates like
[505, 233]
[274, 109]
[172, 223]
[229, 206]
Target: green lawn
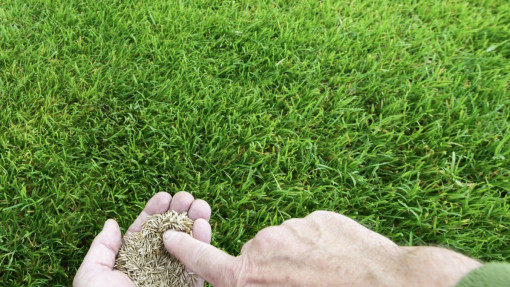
[394, 114]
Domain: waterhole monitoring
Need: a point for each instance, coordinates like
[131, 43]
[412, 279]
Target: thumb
[207, 261]
[104, 248]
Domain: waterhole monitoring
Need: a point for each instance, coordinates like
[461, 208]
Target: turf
[395, 113]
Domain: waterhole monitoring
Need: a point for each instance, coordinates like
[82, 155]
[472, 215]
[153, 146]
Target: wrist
[434, 266]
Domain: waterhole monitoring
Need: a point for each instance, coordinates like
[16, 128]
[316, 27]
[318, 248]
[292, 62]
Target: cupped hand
[322, 249]
[97, 267]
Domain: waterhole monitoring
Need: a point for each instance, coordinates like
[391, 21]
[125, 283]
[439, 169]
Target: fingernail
[169, 235]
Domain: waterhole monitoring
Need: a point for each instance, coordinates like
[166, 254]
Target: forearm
[434, 266]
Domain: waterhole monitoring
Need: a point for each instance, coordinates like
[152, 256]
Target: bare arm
[324, 248]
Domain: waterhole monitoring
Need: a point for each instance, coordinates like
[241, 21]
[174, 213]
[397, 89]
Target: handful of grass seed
[143, 256]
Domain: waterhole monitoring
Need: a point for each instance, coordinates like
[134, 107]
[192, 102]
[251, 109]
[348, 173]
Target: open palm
[97, 267]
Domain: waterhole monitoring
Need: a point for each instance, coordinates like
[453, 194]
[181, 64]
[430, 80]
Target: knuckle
[326, 215]
[320, 213]
[267, 234]
[266, 239]
[247, 246]
[292, 222]
[332, 218]
[337, 220]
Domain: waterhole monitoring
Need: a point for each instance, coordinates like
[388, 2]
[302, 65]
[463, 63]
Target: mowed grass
[394, 113]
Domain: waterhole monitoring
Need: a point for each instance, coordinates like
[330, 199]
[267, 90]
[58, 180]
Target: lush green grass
[394, 114]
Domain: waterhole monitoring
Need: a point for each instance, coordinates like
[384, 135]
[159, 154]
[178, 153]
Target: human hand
[322, 249]
[97, 267]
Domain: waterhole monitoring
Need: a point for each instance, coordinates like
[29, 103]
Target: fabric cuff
[494, 274]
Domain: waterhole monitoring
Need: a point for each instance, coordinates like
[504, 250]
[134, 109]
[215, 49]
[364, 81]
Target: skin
[322, 249]
[97, 267]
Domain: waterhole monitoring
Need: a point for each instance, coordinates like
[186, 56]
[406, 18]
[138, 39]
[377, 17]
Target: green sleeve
[488, 275]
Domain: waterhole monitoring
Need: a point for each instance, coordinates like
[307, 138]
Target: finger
[181, 202]
[208, 262]
[158, 204]
[104, 248]
[202, 230]
[199, 209]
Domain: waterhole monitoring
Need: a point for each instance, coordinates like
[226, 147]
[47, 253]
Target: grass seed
[143, 256]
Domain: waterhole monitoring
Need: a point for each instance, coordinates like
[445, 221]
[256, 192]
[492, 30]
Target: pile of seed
[143, 256]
